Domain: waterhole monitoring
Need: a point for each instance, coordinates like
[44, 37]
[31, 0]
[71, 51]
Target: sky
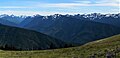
[50, 7]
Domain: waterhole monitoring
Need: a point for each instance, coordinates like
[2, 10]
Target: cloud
[82, 1]
[13, 7]
[64, 5]
[115, 1]
[68, 5]
[108, 1]
[78, 3]
[45, 13]
[30, 13]
[74, 7]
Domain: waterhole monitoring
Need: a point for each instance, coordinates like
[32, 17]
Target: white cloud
[13, 7]
[78, 3]
[114, 3]
[108, 1]
[83, 1]
[115, 0]
[30, 13]
[75, 5]
[66, 5]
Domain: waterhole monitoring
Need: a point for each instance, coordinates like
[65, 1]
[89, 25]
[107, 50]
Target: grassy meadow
[98, 49]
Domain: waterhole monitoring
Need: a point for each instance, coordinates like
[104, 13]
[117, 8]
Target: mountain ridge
[73, 28]
[68, 27]
[14, 38]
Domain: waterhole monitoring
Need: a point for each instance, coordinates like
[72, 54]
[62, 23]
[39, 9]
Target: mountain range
[73, 29]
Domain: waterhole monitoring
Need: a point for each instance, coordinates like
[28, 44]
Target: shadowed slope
[21, 39]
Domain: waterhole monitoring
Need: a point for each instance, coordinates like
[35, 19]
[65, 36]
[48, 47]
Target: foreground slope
[99, 48]
[21, 39]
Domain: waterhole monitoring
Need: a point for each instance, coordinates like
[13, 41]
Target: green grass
[97, 47]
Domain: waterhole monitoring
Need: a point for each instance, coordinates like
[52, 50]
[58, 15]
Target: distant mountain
[112, 19]
[13, 38]
[39, 22]
[13, 18]
[71, 29]
[26, 21]
[6, 22]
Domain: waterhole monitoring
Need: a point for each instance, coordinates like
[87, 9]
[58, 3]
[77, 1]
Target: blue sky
[49, 7]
